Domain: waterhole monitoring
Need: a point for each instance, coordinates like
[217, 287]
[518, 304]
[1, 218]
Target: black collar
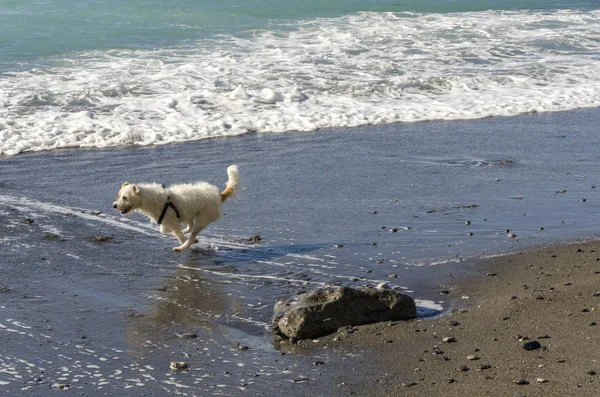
[164, 210]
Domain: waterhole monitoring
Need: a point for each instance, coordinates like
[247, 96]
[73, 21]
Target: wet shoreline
[99, 302]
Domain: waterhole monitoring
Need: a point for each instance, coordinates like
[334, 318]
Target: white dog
[197, 205]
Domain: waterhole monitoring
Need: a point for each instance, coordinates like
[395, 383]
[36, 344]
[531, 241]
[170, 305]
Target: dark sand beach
[550, 296]
[92, 303]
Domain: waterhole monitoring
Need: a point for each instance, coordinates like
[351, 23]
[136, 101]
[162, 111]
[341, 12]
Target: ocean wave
[365, 68]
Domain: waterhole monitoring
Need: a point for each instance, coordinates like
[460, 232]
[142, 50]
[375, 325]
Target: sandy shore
[549, 296]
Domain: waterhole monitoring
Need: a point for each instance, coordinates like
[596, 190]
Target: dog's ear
[136, 190]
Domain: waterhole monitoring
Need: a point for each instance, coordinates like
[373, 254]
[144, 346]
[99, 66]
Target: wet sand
[550, 296]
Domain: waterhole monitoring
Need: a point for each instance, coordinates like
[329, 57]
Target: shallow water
[99, 302]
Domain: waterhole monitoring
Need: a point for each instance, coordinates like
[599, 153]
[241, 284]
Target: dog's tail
[232, 183]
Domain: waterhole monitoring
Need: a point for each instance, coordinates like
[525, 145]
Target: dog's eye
[124, 197]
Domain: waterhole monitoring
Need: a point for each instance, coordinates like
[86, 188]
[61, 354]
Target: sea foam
[366, 68]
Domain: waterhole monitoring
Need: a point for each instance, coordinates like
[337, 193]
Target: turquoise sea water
[110, 73]
[34, 31]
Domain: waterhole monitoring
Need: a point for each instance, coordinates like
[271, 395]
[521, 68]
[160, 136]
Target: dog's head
[128, 198]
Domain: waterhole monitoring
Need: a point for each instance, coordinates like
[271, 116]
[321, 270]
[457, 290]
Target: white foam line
[269, 277]
[433, 263]
[300, 266]
[249, 276]
[22, 203]
[175, 383]
[251, 321]
[223, 243]
[279, 264]
[26, 203]
[316, 271]
[19, 324]
[312, 258]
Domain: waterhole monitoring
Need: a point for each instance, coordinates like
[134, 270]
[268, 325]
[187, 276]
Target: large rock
[325, 310]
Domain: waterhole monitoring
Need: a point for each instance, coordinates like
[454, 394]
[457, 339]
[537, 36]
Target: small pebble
[449, 339]
[176, 365]
[533, 345]
[408, 384]
[472, 357]
[521, 382]
[462, 368]
[541, 380]
[383, 285]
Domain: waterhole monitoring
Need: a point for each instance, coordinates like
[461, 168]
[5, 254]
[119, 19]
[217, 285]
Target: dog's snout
[115, 205]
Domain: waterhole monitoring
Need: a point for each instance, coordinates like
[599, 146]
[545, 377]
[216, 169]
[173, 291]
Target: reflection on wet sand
[184, 306]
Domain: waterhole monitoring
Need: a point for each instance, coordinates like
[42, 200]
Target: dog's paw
[177, 249]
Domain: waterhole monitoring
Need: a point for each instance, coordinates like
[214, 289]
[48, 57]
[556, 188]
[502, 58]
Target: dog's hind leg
[198, 227]
[189, 227]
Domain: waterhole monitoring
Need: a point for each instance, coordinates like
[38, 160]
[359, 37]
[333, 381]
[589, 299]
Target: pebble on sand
[178, 365]
[533, 345]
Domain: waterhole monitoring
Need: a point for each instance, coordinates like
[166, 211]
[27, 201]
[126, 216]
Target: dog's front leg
[177, 233]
